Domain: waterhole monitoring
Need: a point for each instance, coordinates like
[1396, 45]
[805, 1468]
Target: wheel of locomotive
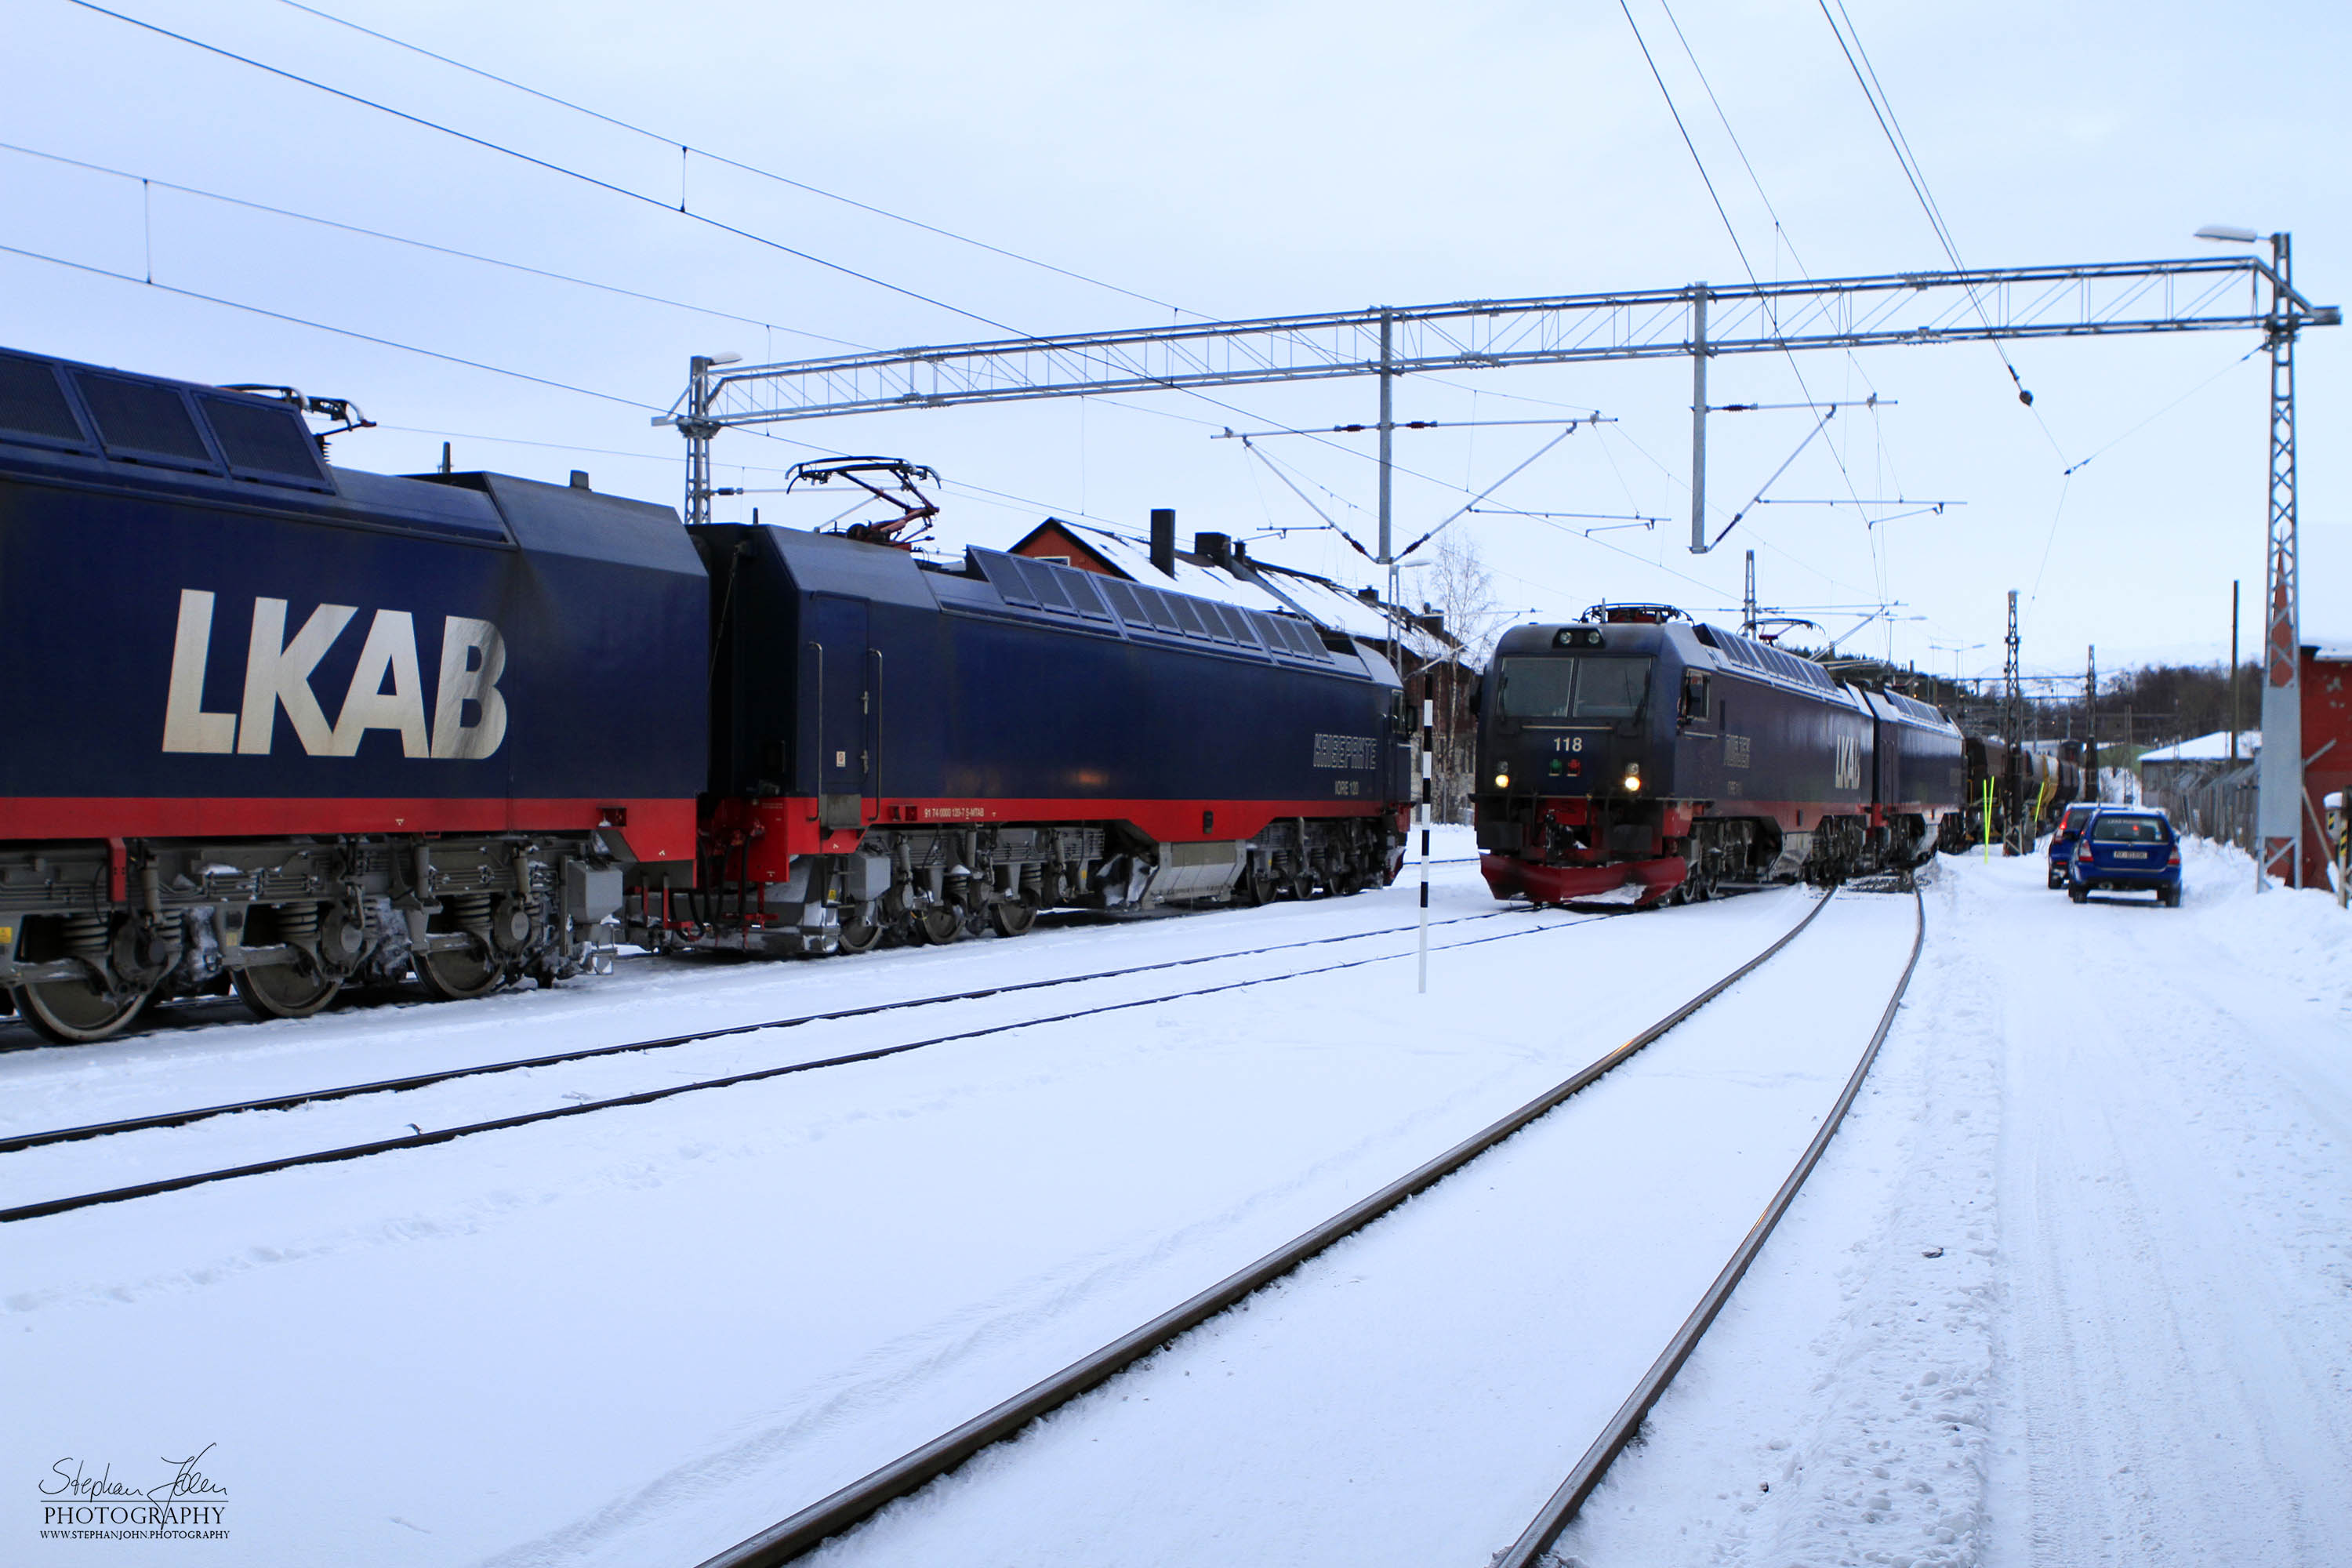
[858, 936]
[457, 975]
[75, 1012]
[1011, 917]
[941, 924]
[1346, 882]
[1255, 888]
[283, 991]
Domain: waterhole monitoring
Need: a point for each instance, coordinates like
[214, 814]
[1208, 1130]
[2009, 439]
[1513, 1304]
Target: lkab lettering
[386, 692]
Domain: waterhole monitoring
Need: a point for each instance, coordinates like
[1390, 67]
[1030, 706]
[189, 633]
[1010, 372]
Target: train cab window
[1695, 698]
[1534, 688]
[1610, 687]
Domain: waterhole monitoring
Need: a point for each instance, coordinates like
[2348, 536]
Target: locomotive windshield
[1587, 689]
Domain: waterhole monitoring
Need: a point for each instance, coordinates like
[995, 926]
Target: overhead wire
[340, 331]
[581, 175]
[548, 165]
[687, 148]
[1882, 109]
[491, 145]
[158, 184]
[1731, 229]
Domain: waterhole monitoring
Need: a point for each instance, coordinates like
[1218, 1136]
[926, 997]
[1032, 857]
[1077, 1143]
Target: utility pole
[2234, 720]
[696, 426]
[1387, 441]
[2278, 803]
[2013, 721]
[1698, 418]
[2091, 705]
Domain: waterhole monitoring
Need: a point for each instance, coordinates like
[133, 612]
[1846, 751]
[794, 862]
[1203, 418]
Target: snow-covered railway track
[195, 1014]
[1564, 1504]
[421, 1138]
[852, 1505]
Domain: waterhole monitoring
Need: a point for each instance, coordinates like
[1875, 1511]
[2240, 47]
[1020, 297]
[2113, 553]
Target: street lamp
[1956, 649]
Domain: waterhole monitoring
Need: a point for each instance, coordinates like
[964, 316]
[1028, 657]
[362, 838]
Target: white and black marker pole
[1428, 735]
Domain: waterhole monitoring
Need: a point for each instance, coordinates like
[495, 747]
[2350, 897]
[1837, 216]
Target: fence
[2217, 803]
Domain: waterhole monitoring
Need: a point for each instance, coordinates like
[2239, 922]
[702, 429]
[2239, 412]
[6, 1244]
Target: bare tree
[1461, 589]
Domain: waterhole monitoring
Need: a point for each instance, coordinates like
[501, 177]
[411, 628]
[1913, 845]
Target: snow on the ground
[1413, 1395]
[641, 1335]
[2072, 1287]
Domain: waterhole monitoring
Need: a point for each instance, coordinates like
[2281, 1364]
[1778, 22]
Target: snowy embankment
[2074, 1286]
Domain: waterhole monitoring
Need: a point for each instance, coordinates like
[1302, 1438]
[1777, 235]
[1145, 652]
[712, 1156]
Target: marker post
[1428, 736]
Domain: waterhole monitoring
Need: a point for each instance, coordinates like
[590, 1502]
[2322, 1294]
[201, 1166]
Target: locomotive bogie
[89, 935]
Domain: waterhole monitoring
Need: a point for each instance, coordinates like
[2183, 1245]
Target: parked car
[2062, 839]
[2130, 850]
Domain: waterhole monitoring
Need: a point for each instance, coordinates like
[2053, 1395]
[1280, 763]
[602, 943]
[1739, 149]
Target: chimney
[579, 479]
[1216, 549]
[1163, 540]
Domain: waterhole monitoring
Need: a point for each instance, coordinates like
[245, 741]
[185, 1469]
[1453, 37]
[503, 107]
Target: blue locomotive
[913, 751]
[291, 728]
[1642, 756]
[288, 727]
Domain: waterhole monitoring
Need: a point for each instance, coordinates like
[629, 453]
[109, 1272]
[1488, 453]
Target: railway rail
[213, 1012]
[421, 1138]
[853, 1504]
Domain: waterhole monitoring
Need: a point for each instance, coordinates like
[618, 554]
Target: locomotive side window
[1534, 688]
[1611, 687]
[32, 403]
[1694, 709]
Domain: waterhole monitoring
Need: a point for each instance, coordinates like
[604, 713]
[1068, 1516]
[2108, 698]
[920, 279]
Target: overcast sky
[1237, 161]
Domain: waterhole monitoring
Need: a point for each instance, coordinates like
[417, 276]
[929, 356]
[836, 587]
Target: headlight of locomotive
[1632, 778]
[1503, 778]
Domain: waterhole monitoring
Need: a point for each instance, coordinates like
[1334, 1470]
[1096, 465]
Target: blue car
[2062, 842]
[2127, 850]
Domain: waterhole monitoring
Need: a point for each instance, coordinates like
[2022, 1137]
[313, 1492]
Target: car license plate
[2131, 854]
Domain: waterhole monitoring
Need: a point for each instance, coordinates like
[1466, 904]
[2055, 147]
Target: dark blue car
[2062, 841]
[2127, 850]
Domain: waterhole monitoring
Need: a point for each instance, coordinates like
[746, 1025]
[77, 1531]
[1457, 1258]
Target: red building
[2326, 748]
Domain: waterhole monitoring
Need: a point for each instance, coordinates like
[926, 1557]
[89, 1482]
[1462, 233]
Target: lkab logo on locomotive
[386, 690]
